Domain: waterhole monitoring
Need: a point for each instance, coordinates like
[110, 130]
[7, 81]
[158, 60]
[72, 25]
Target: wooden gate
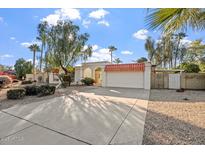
[159, 80]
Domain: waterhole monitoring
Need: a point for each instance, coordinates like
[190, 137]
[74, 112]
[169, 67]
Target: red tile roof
[136, 67]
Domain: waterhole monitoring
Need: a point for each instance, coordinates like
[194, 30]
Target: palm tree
[117, 61]
[34, 48]
[196, 51]
[149, 46]
[111, 49]
[140, 60]
[42, 28]
[173, 19]
[163, 52]
[85, 54]
[178, 38]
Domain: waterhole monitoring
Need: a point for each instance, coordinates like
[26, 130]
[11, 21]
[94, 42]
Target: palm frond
[173, 19]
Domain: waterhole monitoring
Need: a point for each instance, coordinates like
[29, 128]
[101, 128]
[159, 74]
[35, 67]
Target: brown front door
[97, 77]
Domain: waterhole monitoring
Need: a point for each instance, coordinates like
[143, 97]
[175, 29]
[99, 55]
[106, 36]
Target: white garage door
[125, 79]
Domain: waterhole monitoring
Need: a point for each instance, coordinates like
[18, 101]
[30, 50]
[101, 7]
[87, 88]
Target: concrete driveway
[85, 115]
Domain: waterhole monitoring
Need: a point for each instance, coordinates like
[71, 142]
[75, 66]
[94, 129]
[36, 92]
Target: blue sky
[123, 28]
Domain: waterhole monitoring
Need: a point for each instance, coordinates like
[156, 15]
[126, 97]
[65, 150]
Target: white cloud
[27, 44]
[185, 42]
[12, 38]
[126, 52]
[6, 56]
[102, 54]
[158, 41]
[98, 14]
[104, 22]
[62, 14]
[141, 34]
[95, 47]
[51, 19]
[71, 14]
[29, 60]
[86, 23]
[1, 19]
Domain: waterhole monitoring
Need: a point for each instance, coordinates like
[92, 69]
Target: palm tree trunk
[41, 59]
[46, 66]
[34, 61]
[111, 56]
[176, 53]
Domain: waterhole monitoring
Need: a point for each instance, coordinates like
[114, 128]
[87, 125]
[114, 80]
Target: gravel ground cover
[175, 118]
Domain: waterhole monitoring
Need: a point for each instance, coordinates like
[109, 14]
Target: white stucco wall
[88, 70]
[53, 78]
[87, 73]
[78, 75]
[30, 76]
[147, 76]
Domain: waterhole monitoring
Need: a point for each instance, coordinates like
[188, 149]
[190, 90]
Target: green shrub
[65, 79]
[45, 90]
[32, 90]
[202, 67]
[88, 81]
[190, 67]
[5, 80]
[27, 82]
[16, 93]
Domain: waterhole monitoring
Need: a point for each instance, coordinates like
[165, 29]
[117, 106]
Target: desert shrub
[5, 80]
[202, 66]
[32, 90]
[88, 81]
[190, 67]
[22, 67]
[26, 82]
[45, 90]
[16, 93]
[65, 79]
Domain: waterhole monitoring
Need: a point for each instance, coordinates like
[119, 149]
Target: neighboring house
[134, 75]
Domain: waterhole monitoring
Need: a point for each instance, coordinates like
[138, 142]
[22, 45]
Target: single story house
[105, 74]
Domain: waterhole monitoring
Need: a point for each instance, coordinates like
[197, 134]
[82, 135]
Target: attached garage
[125, 79]
[127, 76]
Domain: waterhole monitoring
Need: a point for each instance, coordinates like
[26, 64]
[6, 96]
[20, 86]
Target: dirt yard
[175, 118]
